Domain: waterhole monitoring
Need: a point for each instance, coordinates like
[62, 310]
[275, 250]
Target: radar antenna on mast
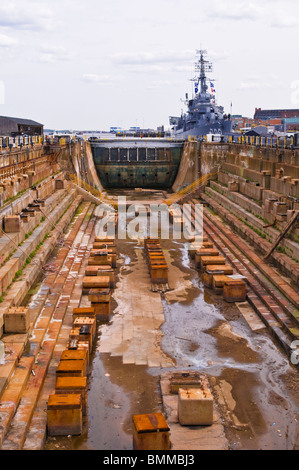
[202, 66]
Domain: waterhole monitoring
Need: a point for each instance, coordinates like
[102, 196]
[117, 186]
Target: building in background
[10, 126]
[275, 113]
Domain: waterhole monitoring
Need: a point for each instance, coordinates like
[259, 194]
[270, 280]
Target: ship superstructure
[203, 116]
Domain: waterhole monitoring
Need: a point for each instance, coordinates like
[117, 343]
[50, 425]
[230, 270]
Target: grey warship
[203, 116]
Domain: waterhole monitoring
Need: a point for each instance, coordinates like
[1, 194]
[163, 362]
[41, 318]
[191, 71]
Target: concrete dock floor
[188, 328]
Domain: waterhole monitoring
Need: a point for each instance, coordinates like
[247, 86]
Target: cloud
[232, 10]
[7, 41]
[25, 15]
[253, 82]
[133, 58]
[102, 79]
[283, 20]
[159, 84]
[249, 85]
[51, 54]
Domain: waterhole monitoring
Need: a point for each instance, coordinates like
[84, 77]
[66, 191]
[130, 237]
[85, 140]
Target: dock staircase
[189, 190]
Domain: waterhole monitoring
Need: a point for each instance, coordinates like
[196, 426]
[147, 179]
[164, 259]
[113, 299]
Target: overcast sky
[93, 64]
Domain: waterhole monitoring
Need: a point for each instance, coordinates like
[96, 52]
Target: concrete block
[195, 407]
[281, 217]
[280, 208]
[150, 432]
[59, 184]
[12, 223]
[269, 204]
[16, 320]
[24, 218]
[29, 211]
[64, 414]
[233, 186]
[234, 291]
[70, 385]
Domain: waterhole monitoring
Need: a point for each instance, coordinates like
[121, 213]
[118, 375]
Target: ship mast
[202, 66]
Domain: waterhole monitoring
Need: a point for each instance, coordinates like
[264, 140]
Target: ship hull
[200, 130]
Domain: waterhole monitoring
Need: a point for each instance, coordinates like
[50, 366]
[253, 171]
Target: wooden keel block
[205, 261]
[77, 385]
[64, 414]
[75, 355]
[83, 312]
[105, 239]
[95, 282]
[204, 252]
[218, 281]
[102, 311]
[213, 270]
[150, 432]
[98, 296]
[105, 246]
[86, 321]
[100, 260]
[71, 368]
[234, 291]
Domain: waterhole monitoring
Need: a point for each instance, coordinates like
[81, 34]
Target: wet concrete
[254, 385]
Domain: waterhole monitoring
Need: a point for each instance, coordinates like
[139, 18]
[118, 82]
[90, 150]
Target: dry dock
[149, 333]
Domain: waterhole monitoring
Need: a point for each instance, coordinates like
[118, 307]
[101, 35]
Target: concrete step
[250, 271]
[265, 305]
[43, 348]
[285, 262]
[271, 281]
[18, 289]
[36, 434]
